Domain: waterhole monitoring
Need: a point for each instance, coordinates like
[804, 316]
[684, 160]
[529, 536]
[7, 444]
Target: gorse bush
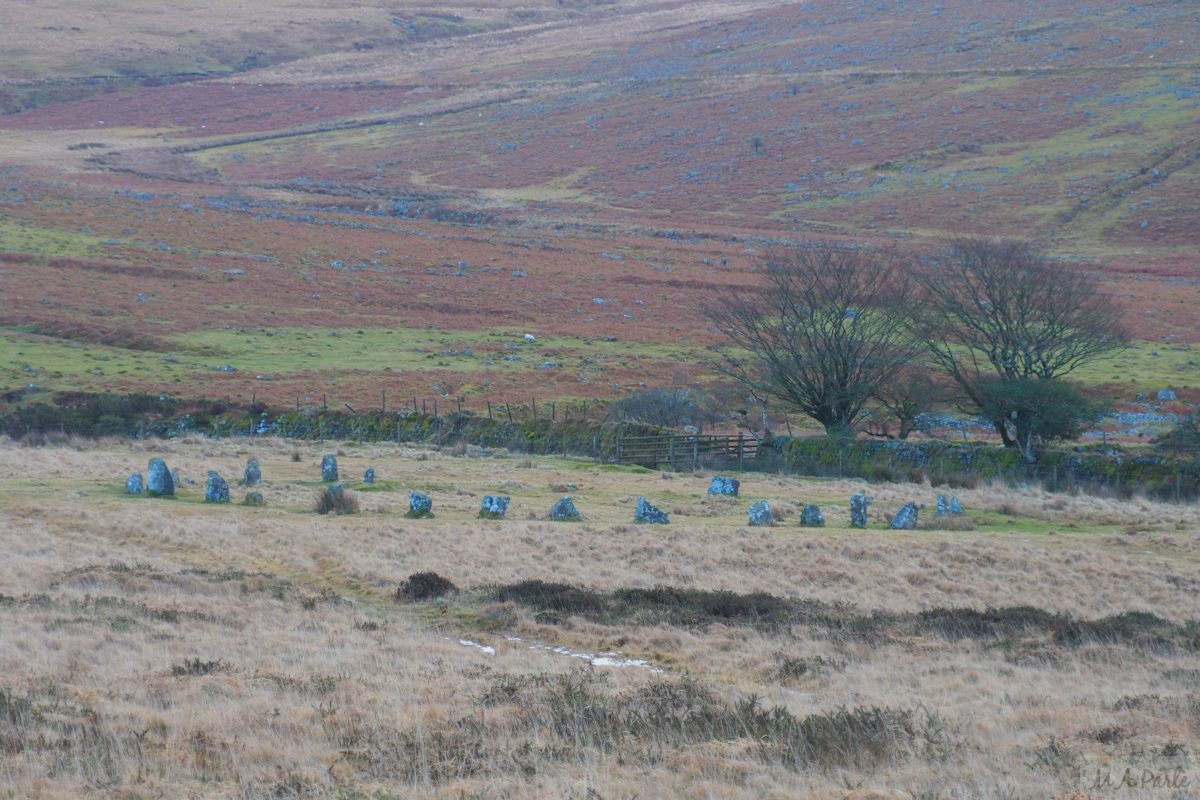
[424, 586]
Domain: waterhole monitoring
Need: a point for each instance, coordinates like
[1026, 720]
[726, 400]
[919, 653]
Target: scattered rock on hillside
[564, 511]
[648, 514]
[858, 509]
[906, 517]
[812, 517]
[760, 513]
[133, 484]
[1166, 394]
[158, 479]
[722, 485]
[329, 469]
[217, 490]
[253, 475]
[493, 507]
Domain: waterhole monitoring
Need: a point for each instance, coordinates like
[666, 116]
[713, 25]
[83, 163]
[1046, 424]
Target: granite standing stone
[646, 513]
[760, 513]
[420, 505]
[906, 517]
[812, 517]
[369, 476]
[493, 507]
[564, 511]
[158, 479]
[955, 506]
[133, 484]
[329, 470]
[943, 507]
[722, 485]
[217, 490]
[858, 509]
[253, 475]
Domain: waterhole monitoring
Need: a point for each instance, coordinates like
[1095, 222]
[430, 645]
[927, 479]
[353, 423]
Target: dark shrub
[424, 586]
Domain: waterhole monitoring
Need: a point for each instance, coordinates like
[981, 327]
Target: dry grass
[168, 648]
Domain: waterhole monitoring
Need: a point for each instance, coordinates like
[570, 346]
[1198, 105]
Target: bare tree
[822, 333]
[916, 390]
[999, 309]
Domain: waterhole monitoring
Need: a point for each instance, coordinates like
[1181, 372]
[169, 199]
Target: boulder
[369, 476]
[254, 499]
[722, 485]
[646, 513]
[858, 509]
[133, 484]
[419, 505]
[811, 517]
[1166, 394]
[955, 506]
[253, 475]
[564, 511]
[906, 518]
[158, 479]
[493, 507]
[217, 490]
[760, 513]
[329, 470]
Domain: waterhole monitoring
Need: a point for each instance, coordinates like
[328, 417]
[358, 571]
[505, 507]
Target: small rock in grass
[648, 514]
[760, 513]
[564, 511]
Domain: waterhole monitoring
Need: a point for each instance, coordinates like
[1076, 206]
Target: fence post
[552, 417]
[671, 453]
[741, 455]
[324, 405]
[585, 410]
[384, 411]
[695, 454]
[618, 449]
[534, 408]
[489, 402]
[435, 408]
[460, 405]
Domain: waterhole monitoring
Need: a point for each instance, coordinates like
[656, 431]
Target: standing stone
[369, 476]
[253, 475]
[158, 479]
[419, 505]
[811, 517]
[493, 507]
[564, 511]
[943, 508]
[254, 499]
[858, 509]
[906, 517]
[648, 514]
[175, 479]
[217, 490]
[722, 485]
[133, 484]
[760, 513]
[329, 471]
[955, 506]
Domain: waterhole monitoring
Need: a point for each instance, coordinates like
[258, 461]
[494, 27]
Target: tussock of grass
[424, 586]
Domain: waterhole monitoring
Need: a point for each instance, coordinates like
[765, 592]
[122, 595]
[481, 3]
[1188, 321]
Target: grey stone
[858, 509]
[760, 513]
[419, 505]
[811, 517]
[369, 475]
[254, 499]
[158, 479]
[329, 470]
[564, 511]
[133, 484]
[943, 507]
[493, 507]
[253, 475]
[646, 513]
[722, 485]
[217, 490]
[1166, 394]
[175, 478]
[955, 506]
[906, 517]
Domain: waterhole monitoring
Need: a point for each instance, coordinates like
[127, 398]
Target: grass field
[158, 647]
